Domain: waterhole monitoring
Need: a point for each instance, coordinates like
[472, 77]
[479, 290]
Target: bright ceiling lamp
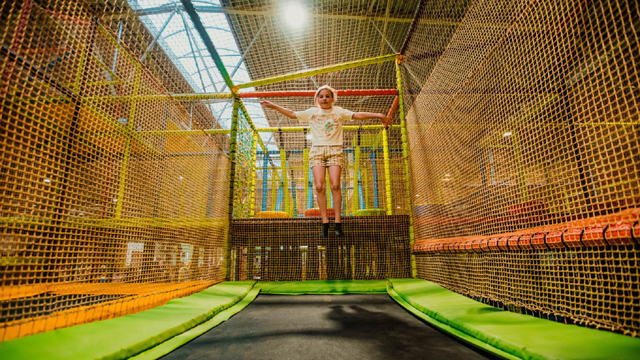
[295, 14]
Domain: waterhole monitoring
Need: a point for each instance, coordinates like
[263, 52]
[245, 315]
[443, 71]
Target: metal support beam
[193, 52]
[245, 54]
[387, 171]
[274, 129]
[115, 56]
[297, 55]
[195, 18]
[155, 39]
[214, 9]
[232, 173]
[220, 96]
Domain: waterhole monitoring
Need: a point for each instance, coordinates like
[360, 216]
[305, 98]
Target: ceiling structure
[260, 39]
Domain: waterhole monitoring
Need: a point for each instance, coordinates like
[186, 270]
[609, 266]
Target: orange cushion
[316, 212]
[272, 215]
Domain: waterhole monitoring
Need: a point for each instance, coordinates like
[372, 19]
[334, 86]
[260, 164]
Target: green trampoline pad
[128, 335]
[508, 334]
[329, 287]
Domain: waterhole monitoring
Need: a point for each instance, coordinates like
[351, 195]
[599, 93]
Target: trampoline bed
[358, 326]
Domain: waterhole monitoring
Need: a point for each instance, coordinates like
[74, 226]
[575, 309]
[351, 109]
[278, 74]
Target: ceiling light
[47, 181]
[508, 133]
[295, 14]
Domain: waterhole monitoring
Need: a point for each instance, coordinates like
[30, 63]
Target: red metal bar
[311, 93]
[394, 107]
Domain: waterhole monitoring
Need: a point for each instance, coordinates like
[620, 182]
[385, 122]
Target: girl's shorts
[325, 155]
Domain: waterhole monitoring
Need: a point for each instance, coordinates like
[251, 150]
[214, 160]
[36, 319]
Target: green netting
[128, 335]
[332, 287]
[505, 333]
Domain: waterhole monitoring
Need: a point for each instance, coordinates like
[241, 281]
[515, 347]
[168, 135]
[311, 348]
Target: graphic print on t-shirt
[326, 127]
[328, 121]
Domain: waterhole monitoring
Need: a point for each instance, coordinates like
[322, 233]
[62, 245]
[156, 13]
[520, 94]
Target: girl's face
[325, 99]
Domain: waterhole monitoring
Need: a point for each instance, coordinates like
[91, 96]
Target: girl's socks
[339, 229]
[325, 230]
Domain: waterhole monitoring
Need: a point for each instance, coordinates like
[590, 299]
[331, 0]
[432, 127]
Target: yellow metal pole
[355, 203]
[405, 155]
[274, 190]
[405, 150]
[305, 171]
[285, 186]
[387, 171]
[233, 148]
[127, 148]
[365, 179]
[312, 72]
[254, 155]
[158, 97]
[226, 131]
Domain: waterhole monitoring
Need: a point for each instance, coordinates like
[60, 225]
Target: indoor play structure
[146, 197]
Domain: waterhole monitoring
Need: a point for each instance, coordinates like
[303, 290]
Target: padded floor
[324, 327]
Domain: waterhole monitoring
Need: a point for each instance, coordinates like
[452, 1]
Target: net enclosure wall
[137, 164]
[130, 151]
[100, 217]
[374, 197]
[524, 150]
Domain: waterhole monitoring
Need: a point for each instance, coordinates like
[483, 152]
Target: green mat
[506, 334]
[331, 287]
[370, 212]
[128, 335]
[153, 333]
[181, 339]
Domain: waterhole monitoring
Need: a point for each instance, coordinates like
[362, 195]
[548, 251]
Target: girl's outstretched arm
[386, 121]
[284, 111]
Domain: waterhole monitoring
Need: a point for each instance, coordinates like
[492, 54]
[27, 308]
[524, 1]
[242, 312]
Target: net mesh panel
[291, 249]
[334, 32]
[278, 249]
[365, 189]
[98, 219]
[112, 199]
[524, 115]
[244, 180]
[520, 115]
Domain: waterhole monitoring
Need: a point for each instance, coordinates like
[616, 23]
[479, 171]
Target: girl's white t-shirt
[326, 125]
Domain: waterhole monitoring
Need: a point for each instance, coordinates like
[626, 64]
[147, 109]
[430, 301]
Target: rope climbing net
[523, 135]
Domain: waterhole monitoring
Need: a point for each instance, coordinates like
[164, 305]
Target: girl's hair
[325, 87]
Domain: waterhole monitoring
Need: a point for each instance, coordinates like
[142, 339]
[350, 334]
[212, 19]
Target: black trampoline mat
[324, 327]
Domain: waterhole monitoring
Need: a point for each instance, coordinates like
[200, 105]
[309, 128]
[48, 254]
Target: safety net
[523, 136]
[129, 158]
[137, 164]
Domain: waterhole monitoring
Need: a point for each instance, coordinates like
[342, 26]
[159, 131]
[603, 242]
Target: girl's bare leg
[336, 190]
[319, 183]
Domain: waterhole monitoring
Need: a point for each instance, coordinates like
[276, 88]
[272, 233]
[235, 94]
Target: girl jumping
[325, 121]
